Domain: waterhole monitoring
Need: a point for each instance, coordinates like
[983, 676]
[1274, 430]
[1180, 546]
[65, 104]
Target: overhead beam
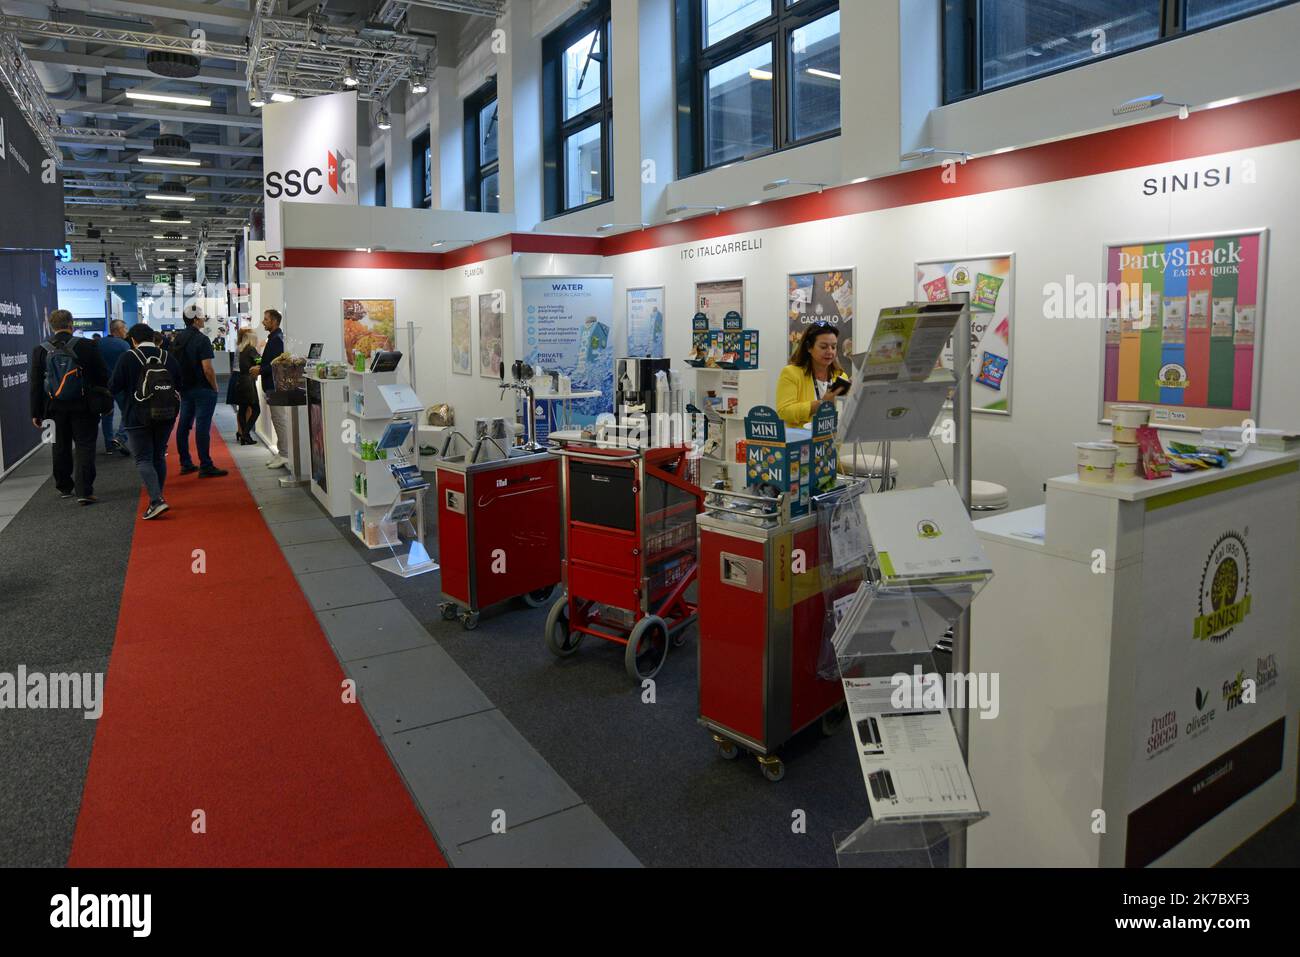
[125, 111]
[94, 166]
[121, 66]
[125, 143]
[168, 9]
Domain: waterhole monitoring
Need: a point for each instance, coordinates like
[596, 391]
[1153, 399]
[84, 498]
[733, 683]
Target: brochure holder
[402, 526]
[919, 566]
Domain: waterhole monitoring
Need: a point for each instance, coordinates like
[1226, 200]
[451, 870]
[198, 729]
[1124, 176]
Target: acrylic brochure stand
[403, 524]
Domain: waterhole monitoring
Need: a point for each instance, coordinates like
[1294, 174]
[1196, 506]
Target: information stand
[402, 526]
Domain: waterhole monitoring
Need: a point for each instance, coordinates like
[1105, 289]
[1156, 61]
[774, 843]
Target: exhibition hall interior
[804, 433]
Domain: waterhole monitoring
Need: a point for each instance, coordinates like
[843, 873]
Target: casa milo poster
[990, 282]
[1183, 328]
[567, 329]
[822, 297]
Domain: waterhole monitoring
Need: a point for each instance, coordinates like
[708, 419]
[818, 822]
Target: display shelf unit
[747, 387]
[372, 414]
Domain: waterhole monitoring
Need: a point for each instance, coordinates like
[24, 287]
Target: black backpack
[155, 389]
[64, 379]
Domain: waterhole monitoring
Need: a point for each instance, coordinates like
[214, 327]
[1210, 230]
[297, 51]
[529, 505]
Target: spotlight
[925, 152]
[382, 120]
[1148, 102]
[350, 75]
[278, 97]
[777, 184]
[681, 209]
[255, 98]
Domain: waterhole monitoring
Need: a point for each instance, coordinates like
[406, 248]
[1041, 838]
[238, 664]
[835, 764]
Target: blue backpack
[64, 381]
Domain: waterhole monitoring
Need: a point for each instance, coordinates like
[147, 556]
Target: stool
[867, 465]
[984, 496]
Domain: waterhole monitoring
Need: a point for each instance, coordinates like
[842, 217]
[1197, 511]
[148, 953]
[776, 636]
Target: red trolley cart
[630, 552]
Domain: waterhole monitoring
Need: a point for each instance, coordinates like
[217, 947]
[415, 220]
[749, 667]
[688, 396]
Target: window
[754, 76]
[421, 172]
[482, 155]
[577, 112]
[381, 185]
[989, 44]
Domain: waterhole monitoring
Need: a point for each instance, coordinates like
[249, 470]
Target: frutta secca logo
[1224, 597]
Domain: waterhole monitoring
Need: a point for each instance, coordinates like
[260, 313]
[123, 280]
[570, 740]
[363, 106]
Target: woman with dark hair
[811, 377]
[247, 406]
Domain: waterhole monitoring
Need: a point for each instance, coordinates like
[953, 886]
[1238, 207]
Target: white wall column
[519, 92]
[448, 139]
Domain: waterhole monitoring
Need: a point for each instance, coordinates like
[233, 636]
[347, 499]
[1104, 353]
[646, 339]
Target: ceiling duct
[175, 64]
[170, 143]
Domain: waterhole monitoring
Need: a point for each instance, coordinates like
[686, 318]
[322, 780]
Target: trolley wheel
[647, 647]
[469, 620]
[559, 638]
[539, 597]
[727, 750]
[833, 720]
[679, 637]
[449, 611]
[773, 768]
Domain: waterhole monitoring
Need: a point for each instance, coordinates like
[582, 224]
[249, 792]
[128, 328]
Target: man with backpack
[113, 348]
[68, 382]
[198, 383]
[148, 377]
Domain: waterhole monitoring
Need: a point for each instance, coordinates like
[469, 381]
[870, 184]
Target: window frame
[694, 61]
[1172, 17]
[381, 184]
[475, 170]
[556, 130]
[422, 170]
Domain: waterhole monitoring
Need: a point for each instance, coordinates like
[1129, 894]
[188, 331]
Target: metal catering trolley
[630, 552]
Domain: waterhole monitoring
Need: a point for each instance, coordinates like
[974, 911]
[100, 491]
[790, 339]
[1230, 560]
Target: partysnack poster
[821, 297]
[491, 339]
[989, 282]
[1183, 326]
[368, 326]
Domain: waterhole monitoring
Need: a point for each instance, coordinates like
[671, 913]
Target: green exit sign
[162, 277]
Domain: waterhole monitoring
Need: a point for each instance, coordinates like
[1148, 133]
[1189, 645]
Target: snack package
[986, 290]
[1152, 461]
[1174, 329]
[1245, 326]
[1198, 310]
[1221, 316]
[937, 289]
[992, 369]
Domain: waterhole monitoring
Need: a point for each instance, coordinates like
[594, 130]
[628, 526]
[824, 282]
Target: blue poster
[645, 322]
[567, 323]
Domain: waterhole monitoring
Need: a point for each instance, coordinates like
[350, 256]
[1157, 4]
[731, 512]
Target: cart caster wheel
[450, 612]
[538, 598]
[679, 638]
[833, 720]
[559, 638]
[727, 750]
[647, 647]
[773, 768]
[469, 620]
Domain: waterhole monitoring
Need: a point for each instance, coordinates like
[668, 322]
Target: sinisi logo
[310, 181]
[1224, 597]
[927, 528]
[1172, 376]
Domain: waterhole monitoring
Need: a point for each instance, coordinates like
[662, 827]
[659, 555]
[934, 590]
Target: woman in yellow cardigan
[807, 381]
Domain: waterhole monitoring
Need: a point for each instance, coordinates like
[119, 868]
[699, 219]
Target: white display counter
[1127, 623]
[333, 492]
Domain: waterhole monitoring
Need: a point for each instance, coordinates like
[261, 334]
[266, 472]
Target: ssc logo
[1224, 596]
[928, 529]
[264, 262]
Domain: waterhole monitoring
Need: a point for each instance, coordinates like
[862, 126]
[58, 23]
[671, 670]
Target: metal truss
[308, 57]
[112, 36]
[24, 86]
[392, 11]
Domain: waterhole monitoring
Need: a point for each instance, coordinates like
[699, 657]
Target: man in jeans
[75, 423]
[193, 353]
[113, 348]
[146, 438]
[271, 320]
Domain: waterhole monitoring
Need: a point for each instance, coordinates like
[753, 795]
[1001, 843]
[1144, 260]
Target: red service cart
[498, 531]
[760, 627]
[630, 552]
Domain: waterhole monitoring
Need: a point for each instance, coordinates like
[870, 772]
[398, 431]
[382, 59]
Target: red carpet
[223, 695]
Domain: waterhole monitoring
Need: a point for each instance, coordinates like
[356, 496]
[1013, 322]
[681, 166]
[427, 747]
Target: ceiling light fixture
[925, 152]
[278, 97]
[167, 249]
[681, 209]
[419, 80]
[823, 73]
[778, 183]
[166, 221]
[760, 74]
[176, 98]
[350, 75]
[608, 226]
[169, 197]
[382, 120]
[172, 236]
[255, 98]
[1148, 102]
[167, 161]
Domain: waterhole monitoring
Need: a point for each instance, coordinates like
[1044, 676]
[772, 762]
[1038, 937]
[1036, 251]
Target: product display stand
[402, 526]
[292, 400]
[748, 387]
[375, 401]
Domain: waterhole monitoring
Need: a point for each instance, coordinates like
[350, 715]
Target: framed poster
[491, 338]
[1183, 329]
[316, 430]
[828, 296]
[716, 299]
[645, 322]
[367, 326]
[990, 280]
[461, 343]
[567, 323]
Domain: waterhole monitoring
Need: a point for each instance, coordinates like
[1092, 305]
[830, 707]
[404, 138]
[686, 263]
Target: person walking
[274, 347]
[198, 382]
[147, 376]
[68, 385]
[112, 349]
[247, 405]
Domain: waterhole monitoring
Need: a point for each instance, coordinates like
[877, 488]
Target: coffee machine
[636, 390]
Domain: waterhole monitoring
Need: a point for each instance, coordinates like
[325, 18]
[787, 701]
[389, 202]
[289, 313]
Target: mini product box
[739, 345]
[701, 339]
[779, 456]
[825, 455]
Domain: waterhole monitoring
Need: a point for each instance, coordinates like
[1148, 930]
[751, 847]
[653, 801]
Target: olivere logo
[271, 262]
[1202, 720]
[312, 180]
